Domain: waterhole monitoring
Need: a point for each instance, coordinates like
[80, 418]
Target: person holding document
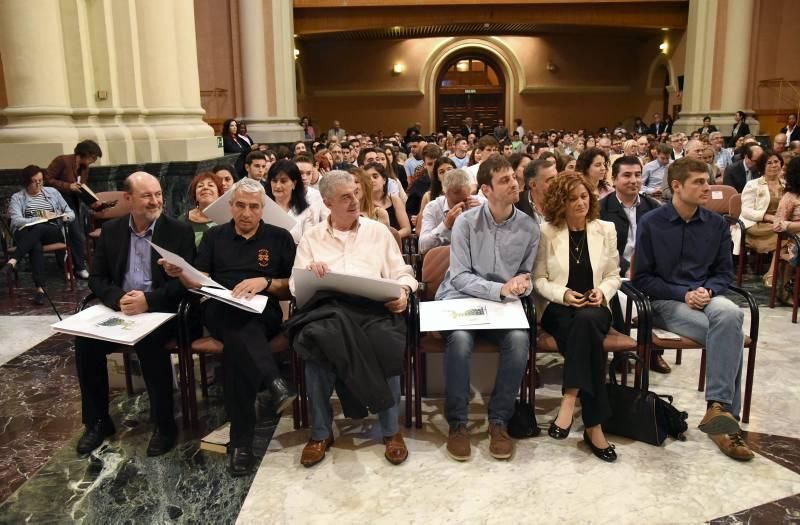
[576, 275]
[321, 331]
[126, 277]
[249, 257]
[27, 209]
[492, 251]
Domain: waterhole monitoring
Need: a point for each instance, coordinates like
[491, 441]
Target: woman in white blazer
[760, 199]
[576, 275]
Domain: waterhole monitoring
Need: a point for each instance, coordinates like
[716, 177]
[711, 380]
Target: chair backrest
[434, 266]
[735, 208]
[396, 235]
[720, 198]
[121, 209]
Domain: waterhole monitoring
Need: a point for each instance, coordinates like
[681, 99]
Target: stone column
[268, 77]
[717, 64]
[39, 110]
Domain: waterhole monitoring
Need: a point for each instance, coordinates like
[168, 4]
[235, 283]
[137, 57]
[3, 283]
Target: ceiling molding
[366, 92]
[535, 89]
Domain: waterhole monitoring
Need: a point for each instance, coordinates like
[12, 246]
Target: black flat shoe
[606, 454]
[94, 436]
[556, 432]
[160, 443]
[240, 461]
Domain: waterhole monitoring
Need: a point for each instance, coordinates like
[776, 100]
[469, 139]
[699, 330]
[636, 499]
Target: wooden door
[453, 109]
[469, 85]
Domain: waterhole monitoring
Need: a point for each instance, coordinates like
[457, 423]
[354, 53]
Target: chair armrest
[84, 303]
[753, 306]
[644, 326]
[530, 313]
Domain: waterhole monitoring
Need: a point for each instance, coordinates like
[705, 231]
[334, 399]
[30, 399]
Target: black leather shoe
[606, 454]
[160, 442]
[282, 395]
[240, 461]
[657, 364]
[94, 435]
[38, 298]
[556, 432]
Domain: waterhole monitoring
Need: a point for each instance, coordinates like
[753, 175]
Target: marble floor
[42, 480]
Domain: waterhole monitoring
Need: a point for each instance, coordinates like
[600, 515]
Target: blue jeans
[514, 346]
[719, 328]
[320, 381]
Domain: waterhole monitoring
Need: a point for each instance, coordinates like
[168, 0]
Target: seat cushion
[614, 342]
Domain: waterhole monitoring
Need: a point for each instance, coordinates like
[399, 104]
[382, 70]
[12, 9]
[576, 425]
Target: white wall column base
[723, 120]
[275, 130]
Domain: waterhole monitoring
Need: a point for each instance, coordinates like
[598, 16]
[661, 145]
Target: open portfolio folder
[101, 322]
[306, 284]
[219, 211]
[211, 288]
[471, 314]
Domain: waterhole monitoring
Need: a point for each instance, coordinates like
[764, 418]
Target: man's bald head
[138, 178]
[143, 191]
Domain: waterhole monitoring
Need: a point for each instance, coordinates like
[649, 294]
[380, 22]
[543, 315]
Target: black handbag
[640, 414]
[523, 423]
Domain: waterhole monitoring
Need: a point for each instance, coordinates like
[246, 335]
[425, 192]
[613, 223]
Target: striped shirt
[37, 206]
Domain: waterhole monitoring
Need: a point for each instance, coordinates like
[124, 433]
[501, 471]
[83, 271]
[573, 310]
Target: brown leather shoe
[718, 421]
[501, 446]
[396, 451]
[733, 446]
[657, 364]
[458, 446]
[314, 451]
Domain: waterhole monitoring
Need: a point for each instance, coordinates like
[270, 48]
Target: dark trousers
[579, 334]
[30, 240]
[90, 360]
[247, 360]
[77, 235]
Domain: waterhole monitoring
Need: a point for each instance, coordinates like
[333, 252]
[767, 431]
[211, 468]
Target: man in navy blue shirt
[684, 264]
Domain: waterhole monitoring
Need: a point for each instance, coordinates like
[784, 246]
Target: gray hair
[714, 134]
[458, 178]
[248, 185]
[332, 179]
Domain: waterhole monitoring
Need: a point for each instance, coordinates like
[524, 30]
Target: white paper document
[101, 322]
[255, 304]
[471, 314]
[306, 284]
[219, 211]
[190, 271]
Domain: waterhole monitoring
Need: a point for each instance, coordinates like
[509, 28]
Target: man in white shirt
[655, 172]
[722, 155]
[347, 243]
[460, 156]
[439, 216]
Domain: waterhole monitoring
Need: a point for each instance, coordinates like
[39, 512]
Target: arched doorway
[470, 84]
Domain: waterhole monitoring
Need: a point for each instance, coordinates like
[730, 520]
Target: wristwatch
[269, 283]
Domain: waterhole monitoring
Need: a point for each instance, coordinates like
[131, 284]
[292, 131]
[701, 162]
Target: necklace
[578, 247]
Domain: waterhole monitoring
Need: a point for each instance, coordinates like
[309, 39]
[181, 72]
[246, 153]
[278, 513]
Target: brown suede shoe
[718, 421]
[657, 364]
[501, 446]
[458, 443]
[314, 451]
[733, 446]
[396, 451]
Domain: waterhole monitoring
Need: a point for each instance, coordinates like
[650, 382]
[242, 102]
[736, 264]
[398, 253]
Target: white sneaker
[82, 274]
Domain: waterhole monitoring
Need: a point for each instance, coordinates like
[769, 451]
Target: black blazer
[662, 128]
[523, 204]
[611, 210]
[736, 176]
[711, 129]
[743, 130]
[795, 134]
[110, 262]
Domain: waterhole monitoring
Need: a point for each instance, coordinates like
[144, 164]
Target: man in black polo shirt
[249, 257]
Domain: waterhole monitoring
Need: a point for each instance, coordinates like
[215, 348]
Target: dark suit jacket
[465, 131]
[661, 128]
[736, 176]
[611, 210]
[743, 130]
[63, 171]
[523, 204]
[711, 129]
[111, 262]
[795, 134]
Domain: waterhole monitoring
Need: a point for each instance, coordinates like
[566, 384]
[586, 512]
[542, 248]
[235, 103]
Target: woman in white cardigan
[576, 275]
[760, 199]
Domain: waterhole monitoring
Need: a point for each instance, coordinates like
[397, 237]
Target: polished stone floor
[42, 480]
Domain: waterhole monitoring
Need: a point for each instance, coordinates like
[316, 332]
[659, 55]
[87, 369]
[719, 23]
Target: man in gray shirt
[492, 251]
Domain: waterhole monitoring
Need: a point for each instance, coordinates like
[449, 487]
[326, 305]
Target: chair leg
[748, 382]
[406, 383]
[296, 402]
[701, 382]
[126, 365]
[678, 356]
[796, 294]
[303, 396]
[740, 266]
[182, 386]
[424, 370]
[418, 360]
[776, 271]
[191, 388]
[203, 376]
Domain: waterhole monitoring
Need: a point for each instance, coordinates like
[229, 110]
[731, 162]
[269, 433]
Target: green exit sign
[219, 142]
[470, 91]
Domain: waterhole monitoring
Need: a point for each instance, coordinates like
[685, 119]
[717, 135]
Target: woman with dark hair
[33, 212]
[225, 175]
[232, 143]
[364, 190]
[575, 276]
[440, 167]
[740, 127]
[203, 191]
[787, 219]
[398, 218]
[392, 166]
[593, 164]
[395, 187]
[285, 186]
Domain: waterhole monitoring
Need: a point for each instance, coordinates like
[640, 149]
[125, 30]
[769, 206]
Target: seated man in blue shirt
[492, 251]
[684, 263]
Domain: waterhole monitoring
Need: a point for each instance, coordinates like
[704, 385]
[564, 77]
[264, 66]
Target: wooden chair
[437, 261]
[726, 201]
[97, 218]
[55, 248]
[173, 346]
[778, 268]
[206, 345]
